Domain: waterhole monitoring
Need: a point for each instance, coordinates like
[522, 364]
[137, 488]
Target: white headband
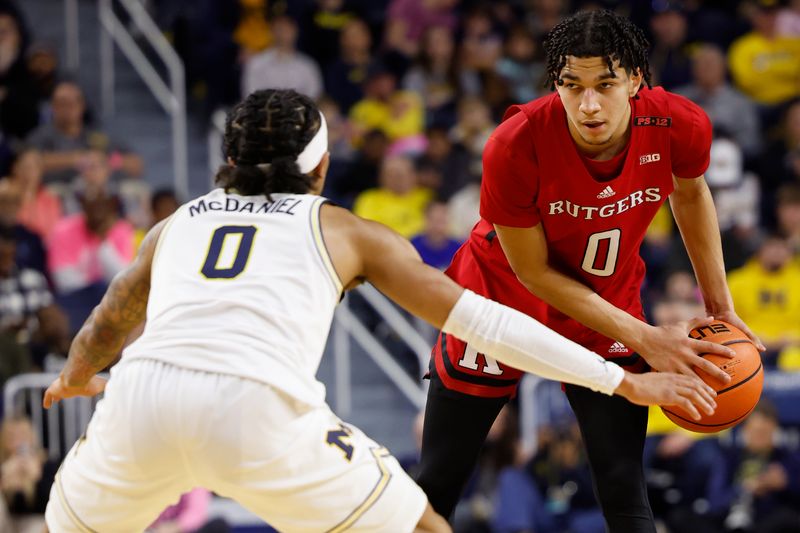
[314, 151]
[316, 148]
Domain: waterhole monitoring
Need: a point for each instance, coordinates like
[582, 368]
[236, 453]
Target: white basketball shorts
[161, 430]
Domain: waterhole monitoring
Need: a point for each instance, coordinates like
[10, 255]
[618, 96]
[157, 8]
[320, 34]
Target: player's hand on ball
[670, 349]
[732, 318]
[690, 393]
[59, 390]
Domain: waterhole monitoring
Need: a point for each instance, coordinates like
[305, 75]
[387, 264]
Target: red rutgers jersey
[594, 215]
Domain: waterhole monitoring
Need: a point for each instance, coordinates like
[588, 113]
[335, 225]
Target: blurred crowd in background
[411, 90]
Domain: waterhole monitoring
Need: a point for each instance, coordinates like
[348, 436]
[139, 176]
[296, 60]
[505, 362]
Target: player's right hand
[690, 393]
[59, 390]
[670, 349]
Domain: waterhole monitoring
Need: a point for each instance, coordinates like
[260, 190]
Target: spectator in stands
[481, 42]
[189, 515]
[474, 126]
[398, 201]
[449, 161]
[87, 250]
[339, 145]
[407, 20]
[65, 142]
[789, 217]
[464, 208]
[669, 57]
[363, 172]
[780, 163]
[43, 66]
[30, 247]
[755, 486]
[438, 77]
[434, 244]
[40, 209]
[737, 198]
[252, 31]
[224, 34]
[501, 449]
[26, 474]
[345, 75]
[552, 492]
[677, 460]
[543, 15]
[399, 114]
[788, 22]
[282, 65]
[681, 286]
[729, 110]
[520, 67]
[163, 202]
[765, 65]
[31, 325]
[321, 28]
[766, 293]
[19, 105]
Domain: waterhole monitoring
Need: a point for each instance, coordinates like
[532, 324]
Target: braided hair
[600, 33]
[264, 134]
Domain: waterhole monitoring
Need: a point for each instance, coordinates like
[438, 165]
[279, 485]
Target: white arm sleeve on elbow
[519, 341]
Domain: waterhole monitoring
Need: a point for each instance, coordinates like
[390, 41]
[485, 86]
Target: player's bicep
[394, 267]
[525, 249]
[688, 188]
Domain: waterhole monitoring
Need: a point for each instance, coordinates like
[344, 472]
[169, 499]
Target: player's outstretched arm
[694, 212]
[666, 348]
[103, 335]
[371, 251]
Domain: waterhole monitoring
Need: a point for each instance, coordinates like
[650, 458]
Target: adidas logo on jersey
[608, 192]
[617, 347]
[649, 158]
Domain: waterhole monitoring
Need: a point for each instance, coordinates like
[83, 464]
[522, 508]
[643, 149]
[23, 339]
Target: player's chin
[595, 137]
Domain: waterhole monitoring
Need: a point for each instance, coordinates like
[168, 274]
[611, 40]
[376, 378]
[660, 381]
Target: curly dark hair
[269, 127]
[598, 33]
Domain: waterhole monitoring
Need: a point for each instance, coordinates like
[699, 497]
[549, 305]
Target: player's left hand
[59, 390]
[732, 318]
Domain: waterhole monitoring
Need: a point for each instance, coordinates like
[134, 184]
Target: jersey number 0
[235, 260]
[602, 249]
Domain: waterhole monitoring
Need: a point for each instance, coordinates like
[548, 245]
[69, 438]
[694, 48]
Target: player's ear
[320, 172]
[635, 79]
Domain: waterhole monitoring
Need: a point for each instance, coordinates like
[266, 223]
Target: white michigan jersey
[244, 286]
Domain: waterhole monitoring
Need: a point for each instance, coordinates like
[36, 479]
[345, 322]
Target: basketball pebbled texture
[736, 399]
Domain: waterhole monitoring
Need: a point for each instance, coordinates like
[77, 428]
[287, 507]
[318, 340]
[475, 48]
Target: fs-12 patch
[659, 122]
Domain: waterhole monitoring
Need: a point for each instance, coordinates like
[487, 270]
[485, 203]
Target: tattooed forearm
[124, 307]
[102, 336]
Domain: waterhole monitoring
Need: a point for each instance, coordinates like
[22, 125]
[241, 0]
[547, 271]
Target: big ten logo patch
[649, 158]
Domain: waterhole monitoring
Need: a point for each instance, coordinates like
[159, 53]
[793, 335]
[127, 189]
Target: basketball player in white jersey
[238, 289]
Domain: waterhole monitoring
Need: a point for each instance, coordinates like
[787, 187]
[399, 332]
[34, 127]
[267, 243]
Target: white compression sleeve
[518, 340]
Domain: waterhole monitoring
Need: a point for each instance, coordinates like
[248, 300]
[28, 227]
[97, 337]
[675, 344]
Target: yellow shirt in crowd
[768, 302]
[766, 70]
[253, 32]
[403, 213]
[402, 116]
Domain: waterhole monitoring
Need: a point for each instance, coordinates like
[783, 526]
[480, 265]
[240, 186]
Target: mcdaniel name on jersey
[283, 205]
[566, 207]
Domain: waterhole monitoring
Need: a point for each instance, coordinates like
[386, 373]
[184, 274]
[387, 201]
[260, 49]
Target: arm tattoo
[123, 308]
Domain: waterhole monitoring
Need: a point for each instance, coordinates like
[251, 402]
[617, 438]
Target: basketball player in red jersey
[571, 182]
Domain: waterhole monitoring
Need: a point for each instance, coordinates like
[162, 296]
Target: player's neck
[615, 145]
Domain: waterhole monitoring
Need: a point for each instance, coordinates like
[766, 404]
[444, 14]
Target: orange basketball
[735, 399]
